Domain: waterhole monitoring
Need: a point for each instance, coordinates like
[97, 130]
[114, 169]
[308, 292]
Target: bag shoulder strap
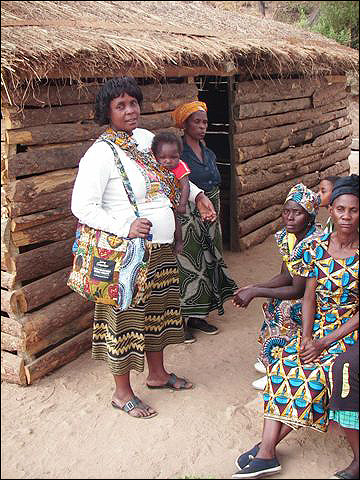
[124, 177]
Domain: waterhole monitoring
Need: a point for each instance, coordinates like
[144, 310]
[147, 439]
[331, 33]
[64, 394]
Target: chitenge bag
[106, 268]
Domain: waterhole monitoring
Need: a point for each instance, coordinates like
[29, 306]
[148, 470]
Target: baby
[325, 188]
[167, 149]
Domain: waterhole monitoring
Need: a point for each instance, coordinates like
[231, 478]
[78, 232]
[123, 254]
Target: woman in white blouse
[99, 200]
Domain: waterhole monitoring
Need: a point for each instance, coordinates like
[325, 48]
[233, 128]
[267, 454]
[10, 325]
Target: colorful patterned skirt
[297, 394]
[282, 319]
[205, 283]
[121, 338]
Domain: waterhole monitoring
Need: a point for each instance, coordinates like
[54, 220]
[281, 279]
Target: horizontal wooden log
[253, 202]
[279, 89]
[270, 121]
[40, 203]
[54, 157]
[59, 356]
[260, 109]
[279, 161]
[57, 230]
[338, 169]
[42, 96]
[8, 280]
[76, 132]
[43, 322]
[23, 118]
[247, 153]
[11, 326]
[43, 291]
[265, 178]
[42, 261]
[10, 343]
[337, 134]
[326, 95]
[258, 236]
[269, 134]
[259, 219]
[50, 95]
[12, 368]
[56, 133]
[34, 219]
[5, 235]
[6, 304]
[26, 189]
[168, 104]
[78, 325]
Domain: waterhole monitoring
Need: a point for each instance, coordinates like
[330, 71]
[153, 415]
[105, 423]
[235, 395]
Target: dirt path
[63, 427]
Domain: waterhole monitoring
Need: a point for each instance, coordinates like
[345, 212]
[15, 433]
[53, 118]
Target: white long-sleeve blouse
[99, 198]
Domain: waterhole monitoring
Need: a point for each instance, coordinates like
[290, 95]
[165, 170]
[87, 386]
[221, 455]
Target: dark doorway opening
[214, 92]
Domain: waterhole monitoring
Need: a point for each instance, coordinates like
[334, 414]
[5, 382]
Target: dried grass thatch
[67, 39]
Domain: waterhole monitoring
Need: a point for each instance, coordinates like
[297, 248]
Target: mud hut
[278, 112]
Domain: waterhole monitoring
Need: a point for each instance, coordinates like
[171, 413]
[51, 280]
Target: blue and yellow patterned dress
[297, 394]
[282, 318]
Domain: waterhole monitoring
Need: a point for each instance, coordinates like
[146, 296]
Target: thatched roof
[69, 38]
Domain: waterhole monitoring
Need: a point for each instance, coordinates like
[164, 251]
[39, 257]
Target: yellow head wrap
[184, 111]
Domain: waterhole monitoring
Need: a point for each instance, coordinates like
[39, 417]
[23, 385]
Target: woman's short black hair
[111, 89]
[166, 137]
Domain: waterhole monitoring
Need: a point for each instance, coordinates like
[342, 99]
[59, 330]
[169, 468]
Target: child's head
[167, 148]
[325, 188]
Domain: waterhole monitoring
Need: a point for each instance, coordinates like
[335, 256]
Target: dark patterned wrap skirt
[121, 338]
[205, 283]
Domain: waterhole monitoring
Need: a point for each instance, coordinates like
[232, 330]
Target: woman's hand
[243, 296]
[205, 207]
[140, 228]
[310, 349]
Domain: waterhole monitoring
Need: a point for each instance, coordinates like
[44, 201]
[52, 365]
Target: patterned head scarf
[345, 185]
[184, 111]
[309, 200]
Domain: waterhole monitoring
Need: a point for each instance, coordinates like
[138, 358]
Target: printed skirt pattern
[297, 394]
[205, 283]
[122, 338]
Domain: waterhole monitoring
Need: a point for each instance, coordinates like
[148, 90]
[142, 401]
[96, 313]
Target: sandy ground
[63, 427]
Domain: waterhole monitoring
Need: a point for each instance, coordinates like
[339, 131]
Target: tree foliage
[338, 20]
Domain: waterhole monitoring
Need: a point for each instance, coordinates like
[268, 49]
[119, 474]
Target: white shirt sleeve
[194, 191]
[96, 169]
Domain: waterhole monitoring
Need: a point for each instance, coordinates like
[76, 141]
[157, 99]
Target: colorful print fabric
[309, 200]
[158, 179]
[184, 111]
[282, 318]
[298, 394]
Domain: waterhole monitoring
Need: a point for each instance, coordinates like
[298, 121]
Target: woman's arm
[341, 332]
[184, 196]
[282, 286]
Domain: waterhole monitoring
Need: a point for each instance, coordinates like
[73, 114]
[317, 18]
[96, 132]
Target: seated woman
[297, 390]
[282, 312]
[344, 404]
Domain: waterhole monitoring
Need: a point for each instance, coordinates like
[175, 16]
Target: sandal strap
[131, 404]
[173, 379]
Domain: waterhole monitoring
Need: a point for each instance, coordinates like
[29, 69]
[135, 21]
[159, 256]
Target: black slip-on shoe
[259, 467]
[245, 458]
[202, 325]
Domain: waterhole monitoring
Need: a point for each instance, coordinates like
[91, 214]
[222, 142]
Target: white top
[99, 198]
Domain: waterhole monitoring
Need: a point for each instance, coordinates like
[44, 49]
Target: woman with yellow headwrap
[204, 280]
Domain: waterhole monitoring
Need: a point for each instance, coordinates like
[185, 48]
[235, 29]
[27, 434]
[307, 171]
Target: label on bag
[103, 270]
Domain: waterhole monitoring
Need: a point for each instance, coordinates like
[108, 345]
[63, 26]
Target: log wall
[43, 323]
[285, 132]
